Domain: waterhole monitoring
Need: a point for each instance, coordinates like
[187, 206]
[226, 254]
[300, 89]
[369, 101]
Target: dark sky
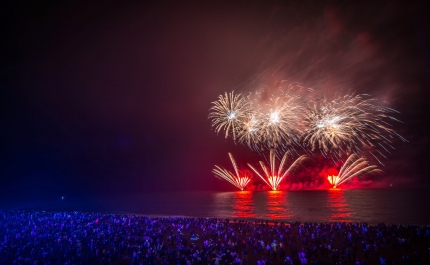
[111, 98]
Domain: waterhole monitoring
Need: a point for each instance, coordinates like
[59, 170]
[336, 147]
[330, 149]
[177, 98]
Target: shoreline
[231, 219]
[370, 206]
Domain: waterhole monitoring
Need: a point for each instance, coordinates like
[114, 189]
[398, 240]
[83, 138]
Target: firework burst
[272, 123]
[353, 166]
[348, 124]
[262, 120]
[238, 180]
[274, 177]
[280, 126]
[250, 133]
[228, 113]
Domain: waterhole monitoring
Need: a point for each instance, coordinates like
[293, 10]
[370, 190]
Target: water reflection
[370, 205]
[340, 211]
[315, 206]
[244, 204]
[254, 205]
[277, 205]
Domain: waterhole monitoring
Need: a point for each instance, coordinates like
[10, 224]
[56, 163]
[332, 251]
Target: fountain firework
[353, 166]
[274, 177]
[238, 180]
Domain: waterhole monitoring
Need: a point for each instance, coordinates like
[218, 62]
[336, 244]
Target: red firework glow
[334, 180]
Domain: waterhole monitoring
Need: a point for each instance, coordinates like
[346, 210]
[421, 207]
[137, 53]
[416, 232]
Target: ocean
[391, 206]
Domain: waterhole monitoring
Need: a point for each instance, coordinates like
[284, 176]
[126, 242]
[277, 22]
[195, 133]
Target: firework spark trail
[274, 177]
[228, 113]
[346, 124]
[238, 180]
[353, 166]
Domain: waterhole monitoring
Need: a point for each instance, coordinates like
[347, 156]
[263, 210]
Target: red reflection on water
[277, 205]
[339, 208]
[243, 204]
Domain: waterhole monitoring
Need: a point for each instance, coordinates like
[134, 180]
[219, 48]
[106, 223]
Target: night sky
[111, 98]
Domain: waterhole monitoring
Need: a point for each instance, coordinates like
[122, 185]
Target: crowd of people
[29, 237]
